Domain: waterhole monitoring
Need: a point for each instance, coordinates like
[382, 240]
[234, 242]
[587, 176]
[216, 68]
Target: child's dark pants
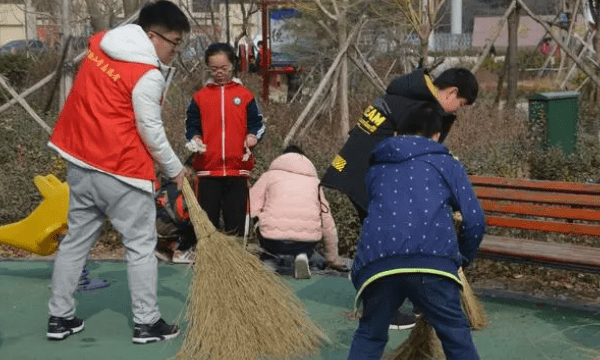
[437, 296]
[286, 247]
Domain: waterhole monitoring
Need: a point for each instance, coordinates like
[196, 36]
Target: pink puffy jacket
[291, 206]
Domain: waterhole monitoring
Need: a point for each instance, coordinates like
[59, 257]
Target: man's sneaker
[184, 257]
[301, 268]
[59, 328]
[159, 331]
[402, 321]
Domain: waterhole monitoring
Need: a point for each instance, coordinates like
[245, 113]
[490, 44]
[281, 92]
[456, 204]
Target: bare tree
[336, 14]
[100, 14]
[210, 29]
[247, 9]
[421, 15]
[512, 66]
[130, 7]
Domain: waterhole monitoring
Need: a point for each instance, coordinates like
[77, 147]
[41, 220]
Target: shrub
[15, 67]
[531, 59]
[491, 65]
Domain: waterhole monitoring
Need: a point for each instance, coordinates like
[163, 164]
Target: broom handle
[247, 222]
[202, 225]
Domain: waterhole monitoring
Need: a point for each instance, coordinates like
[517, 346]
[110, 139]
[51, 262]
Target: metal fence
[442, 42]
[445, 42]
[450, 42]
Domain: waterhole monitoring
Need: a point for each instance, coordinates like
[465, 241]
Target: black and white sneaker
[159, 331]
[60, 328]
[403, 321]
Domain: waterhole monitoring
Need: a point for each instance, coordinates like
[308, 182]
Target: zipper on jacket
[223, 127]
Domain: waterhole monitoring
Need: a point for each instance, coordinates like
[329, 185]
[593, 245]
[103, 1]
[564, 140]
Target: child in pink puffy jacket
[293, 213]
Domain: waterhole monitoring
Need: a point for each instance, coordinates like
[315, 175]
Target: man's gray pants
[94, 196]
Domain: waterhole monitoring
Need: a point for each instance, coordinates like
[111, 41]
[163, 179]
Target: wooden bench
[545, 206]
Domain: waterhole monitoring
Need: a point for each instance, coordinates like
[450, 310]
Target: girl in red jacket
[223, 124]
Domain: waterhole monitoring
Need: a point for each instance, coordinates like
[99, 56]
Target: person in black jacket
[385, 117]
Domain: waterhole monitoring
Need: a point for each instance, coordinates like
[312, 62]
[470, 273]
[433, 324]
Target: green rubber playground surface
[519, 329]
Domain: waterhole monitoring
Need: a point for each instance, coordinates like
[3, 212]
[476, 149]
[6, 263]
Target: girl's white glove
[196, 145]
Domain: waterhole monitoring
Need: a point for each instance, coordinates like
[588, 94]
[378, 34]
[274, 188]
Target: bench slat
[553, 186]
[562, 212]
[556, 253]
[537, 197]
[547, 226]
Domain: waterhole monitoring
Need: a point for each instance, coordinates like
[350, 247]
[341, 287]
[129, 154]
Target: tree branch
[323, 83]
[589, 73]
[325, 11]
[490, 42]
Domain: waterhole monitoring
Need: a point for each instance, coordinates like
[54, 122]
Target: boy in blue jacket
[409, 247]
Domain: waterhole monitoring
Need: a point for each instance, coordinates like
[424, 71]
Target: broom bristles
[236, 308]
[472, 307]
[422, 344]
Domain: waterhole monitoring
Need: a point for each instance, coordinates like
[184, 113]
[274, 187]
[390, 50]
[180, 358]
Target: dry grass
[236, 308]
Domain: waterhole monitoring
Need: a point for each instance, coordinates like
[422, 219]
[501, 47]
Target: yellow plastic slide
[38, 232]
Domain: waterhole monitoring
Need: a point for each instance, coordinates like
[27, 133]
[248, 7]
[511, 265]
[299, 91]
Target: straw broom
[236, 308]
[472, 307]
[422, 344]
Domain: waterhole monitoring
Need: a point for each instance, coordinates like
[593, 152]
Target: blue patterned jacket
[414, 186]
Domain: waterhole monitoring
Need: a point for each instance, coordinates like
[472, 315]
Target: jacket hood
[130, 43]
[295, 163]
[412, 86]
[402, 148]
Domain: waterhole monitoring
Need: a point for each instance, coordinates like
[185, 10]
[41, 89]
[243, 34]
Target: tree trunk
[30, 20]
[130, 7]
[99, 19]
[513, 57]
[424, 52]
[597, 57]
[343, 85]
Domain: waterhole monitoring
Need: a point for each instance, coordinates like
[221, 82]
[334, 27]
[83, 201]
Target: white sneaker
[184, 257]
[301, 268]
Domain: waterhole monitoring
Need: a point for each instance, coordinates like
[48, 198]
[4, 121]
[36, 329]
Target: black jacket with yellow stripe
[383, 118]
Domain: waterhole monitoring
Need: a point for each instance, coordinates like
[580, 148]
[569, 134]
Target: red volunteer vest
[97, 123]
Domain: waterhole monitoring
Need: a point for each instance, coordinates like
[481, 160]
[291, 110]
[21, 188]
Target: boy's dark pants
[439, 299]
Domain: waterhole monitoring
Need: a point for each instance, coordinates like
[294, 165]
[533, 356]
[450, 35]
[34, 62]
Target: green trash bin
[553, 119]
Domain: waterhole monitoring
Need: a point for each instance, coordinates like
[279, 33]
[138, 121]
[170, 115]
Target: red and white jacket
[223, 115]
[111, 121]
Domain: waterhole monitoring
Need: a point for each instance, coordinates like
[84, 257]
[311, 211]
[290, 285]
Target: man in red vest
[110, 131]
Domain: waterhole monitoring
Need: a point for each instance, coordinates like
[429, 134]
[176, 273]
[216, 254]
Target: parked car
[15, 46]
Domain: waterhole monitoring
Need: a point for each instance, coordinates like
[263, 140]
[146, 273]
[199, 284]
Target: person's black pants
[227, 196]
